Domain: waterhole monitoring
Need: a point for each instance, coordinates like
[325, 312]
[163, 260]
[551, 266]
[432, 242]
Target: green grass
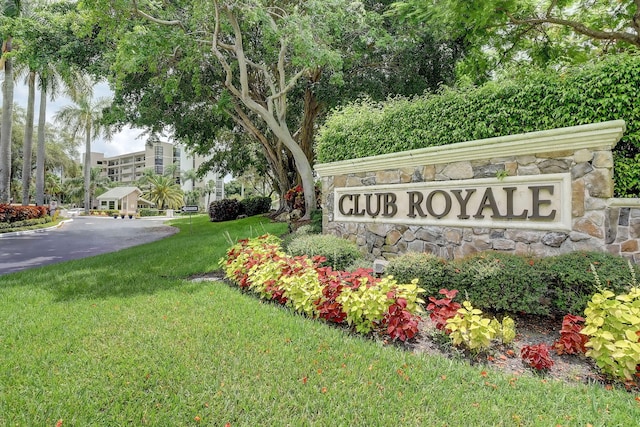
[124, 339]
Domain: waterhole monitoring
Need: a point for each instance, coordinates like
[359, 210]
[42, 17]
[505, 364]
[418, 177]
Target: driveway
[82, 237]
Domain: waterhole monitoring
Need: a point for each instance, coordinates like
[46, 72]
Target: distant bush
[26, 223]
[14, 213]
[340, 253]
[255, 205]
[224, 210]
[147, 212]
[572, 283]
[427, 268]
[500, 281]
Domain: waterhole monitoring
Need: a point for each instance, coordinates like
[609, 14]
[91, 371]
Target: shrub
[613, 326]
[26, 223]
[14, 213]
[255, 205]
[572, 282]
[443, 309]
[427, 268]
[571, 340]
[501, 281]
[224, 210]
[537, 356]
[591, 93]
[339, 253]
[470, 329]
[146, 212]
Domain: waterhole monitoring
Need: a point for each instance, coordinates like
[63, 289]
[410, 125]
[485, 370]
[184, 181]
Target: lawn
[126, 339]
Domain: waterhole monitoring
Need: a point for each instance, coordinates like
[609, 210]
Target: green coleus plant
[367, 304]
[470, 329]
[612, 323]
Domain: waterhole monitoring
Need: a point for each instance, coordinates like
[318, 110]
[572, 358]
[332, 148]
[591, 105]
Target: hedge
[595, 92]
[14, 213]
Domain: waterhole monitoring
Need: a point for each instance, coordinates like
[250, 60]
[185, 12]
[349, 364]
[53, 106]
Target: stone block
[429, 173]
[577, 198]
[575, 236]
[428, 234]
[555, 154]
[458, 170]
[523, 236]
[453, 236]
[339, 181]
[583, 155]
[379, 229]
[503, 244]
[526, 160]
[353, 181]
[392, 237]
[528, 170]
[580, 170]
[388, 177]
[553, 165]
[389, 248]
[585, 225]
[629, 246]
[554, 239]
[600, 183]
[623, 219]
[409, 236]
[511, 168]
[603, 159]
[487, 171]
[379, 266]
[416, 246]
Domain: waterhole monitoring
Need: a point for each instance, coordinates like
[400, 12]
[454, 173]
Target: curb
[40, 230]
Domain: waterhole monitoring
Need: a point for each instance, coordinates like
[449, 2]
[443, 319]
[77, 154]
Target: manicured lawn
[126, 339]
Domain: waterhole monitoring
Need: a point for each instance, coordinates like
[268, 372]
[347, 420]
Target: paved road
[79, 238]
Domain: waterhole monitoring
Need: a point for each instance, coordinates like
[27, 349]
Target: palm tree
[50, 82]
[85, 119]
[164, 192]
[98, 182]
[190, 175]
[210, 187]
[11, 9]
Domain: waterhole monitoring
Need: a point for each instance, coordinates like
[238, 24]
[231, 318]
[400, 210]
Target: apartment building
[128, 168]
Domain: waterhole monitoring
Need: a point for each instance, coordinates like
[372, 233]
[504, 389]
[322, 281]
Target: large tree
[218, 71]
[84, 119]
[263, 49]
[10, 11]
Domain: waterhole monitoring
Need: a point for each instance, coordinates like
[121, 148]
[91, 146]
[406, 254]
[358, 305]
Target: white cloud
[126, 141]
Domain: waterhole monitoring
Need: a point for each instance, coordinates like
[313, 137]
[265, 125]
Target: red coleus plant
[537, 356]
[443, 309]
[571, 340]
[401, 324]
[328, 308]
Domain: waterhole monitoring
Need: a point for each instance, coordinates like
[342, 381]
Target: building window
[112, 204]
[159, 169]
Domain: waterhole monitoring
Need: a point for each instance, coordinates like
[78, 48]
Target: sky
[123, 142]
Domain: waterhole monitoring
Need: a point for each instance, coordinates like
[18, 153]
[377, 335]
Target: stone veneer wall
[599, 222]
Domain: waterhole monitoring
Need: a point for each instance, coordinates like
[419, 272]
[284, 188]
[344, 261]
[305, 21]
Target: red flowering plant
[295, 198]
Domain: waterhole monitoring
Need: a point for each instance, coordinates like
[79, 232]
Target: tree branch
[153, 19]
[580, 28]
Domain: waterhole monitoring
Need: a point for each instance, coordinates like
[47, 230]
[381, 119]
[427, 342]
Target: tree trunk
[87, 171]
[311, 110]
[5, 133]
[28, 140]
[40, 155]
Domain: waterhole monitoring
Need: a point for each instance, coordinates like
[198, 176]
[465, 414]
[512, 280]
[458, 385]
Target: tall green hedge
[595, 92]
